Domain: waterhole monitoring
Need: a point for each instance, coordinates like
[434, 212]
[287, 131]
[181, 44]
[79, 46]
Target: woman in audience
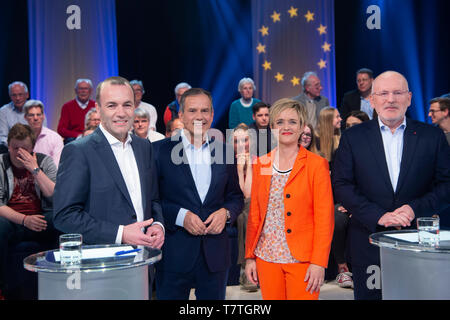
[290, 223]
[356, 117]
[241, 109]
[141, 126]
[241, 142]
[307, 138]
[328, 133]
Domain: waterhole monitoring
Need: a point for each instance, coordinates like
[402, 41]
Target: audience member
[197, 251]
[27, 182]
[88, 130]
[260, 133]
[440, 114]
[138, 88]
[328, 133]
[241, 142]
[12, 112]
[73, 112]
[173, 127]
[358, 99]
[387, 172]
[356, 117]
[92, 118]
[173, 108]
[290, 223]
[106, 187]
[311, 98]
[141, 124]
[307, 138]
[48, 141]
[241, 109]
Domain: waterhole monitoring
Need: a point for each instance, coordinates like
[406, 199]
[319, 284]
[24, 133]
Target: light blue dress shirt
[393, 149]
[366, 107]
[200, 164]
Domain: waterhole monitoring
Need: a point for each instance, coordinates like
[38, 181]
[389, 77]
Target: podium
[410, 271]
[108, 278]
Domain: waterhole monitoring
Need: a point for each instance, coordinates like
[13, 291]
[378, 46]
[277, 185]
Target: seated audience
[88, 130]
[141, 126]
[173, 127]
[241, 109]
[73, 112]
[260, 133]
[138, 88]
[173, 108]
[307, 138]
[356, 117]
[48, 141]
[358, 99]
[27, 181]
[440, 114]
[290, 223]
[328, 133]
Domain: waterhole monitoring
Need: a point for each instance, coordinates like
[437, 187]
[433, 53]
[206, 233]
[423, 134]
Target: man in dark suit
[387, 172]
[358, 99]
[106, 187]
[199, 192]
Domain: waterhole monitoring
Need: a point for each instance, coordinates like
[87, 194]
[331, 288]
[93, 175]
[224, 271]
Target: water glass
[70, 248]
[428, 229]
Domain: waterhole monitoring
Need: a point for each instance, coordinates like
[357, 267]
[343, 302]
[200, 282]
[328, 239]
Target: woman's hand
[250, 271]
[35, 222]
[315, 276]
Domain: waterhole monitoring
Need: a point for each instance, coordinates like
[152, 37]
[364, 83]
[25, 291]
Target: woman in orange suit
[291, 218]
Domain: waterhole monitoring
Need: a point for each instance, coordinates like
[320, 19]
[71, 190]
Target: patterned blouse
[272, 245]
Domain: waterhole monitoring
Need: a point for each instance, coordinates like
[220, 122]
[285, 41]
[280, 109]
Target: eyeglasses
[434, 111]
[385, 94]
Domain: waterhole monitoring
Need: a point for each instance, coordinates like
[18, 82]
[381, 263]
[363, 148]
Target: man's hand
[133, 234]
[193, 224]
[401, 217]
[29, 161]
[216, 221]
[156, 234]
[35, 222]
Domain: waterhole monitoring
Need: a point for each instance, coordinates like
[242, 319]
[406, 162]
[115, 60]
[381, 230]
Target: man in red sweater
[73, 112]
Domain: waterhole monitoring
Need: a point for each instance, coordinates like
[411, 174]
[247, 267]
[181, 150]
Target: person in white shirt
[138, 88]
[141, 126]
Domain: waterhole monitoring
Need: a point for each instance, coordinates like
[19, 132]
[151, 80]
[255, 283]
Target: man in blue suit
[106, 187]
[387, 172]
[199, 192]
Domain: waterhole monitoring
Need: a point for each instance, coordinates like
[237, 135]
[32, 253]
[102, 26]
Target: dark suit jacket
[177, 190]
[361, 180]
[350, 102]
[91, 197]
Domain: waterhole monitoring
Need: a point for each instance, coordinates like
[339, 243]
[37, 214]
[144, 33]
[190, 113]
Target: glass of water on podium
[70, 248]
[428, 229]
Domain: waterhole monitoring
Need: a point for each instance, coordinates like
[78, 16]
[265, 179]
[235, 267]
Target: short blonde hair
[284, 104]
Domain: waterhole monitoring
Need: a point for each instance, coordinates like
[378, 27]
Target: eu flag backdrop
[291, 37]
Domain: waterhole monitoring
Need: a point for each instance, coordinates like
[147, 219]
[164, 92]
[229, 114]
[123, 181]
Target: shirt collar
[113, 140]
[82, 105]
[385, 127]
[188, 145]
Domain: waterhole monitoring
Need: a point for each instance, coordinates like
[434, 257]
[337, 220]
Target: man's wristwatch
[36, 171]
[228, 215]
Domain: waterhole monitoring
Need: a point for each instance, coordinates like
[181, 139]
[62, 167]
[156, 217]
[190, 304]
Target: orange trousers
[283, 281]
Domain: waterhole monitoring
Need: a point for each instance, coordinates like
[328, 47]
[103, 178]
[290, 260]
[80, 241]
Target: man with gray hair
[311, 98]
[241, 109]
[48, 141]
[73, 112]
[172, 109]
[12, 112]
[138, 88]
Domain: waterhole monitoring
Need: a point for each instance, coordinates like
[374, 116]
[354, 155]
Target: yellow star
[275, 16]
[295, 81]
[293, 12]
[264, 31]
[261, 48]
[309, 16]
[326, 47]
[267, 65]
[322, 64]
[322, 29]
[279, 77]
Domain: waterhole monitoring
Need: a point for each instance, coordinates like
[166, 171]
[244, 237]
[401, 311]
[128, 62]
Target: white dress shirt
[393, 149]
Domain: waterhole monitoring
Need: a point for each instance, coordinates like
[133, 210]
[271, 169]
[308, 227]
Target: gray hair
[20, 83]
[89, 82]
[139, 83]
[33, 103]
[244, 81]
[306, 76]
[182, 85]
[141, 113]
[87, 117]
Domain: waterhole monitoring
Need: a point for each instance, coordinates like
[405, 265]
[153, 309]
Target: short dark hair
[111, 80]
[365, 70]
[361, 115]
[21, 132]
[444, 103]
[194, 92]
[259, 105]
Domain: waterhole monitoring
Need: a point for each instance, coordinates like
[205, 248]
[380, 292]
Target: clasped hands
[153, 237]
[400, 217]
[214, 224]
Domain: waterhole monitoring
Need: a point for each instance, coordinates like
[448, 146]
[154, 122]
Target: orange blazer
[308, 207]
